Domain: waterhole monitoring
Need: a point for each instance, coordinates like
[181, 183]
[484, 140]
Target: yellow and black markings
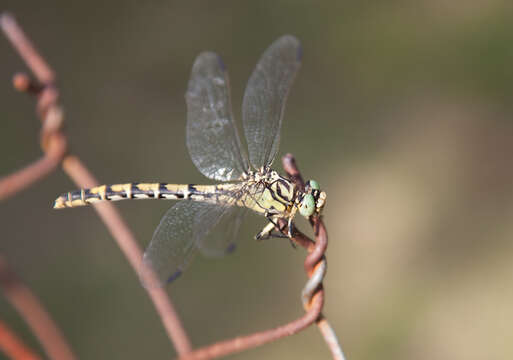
[270, 195]
[118, 192]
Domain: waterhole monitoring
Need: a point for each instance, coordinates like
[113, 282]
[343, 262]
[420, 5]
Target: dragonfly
[245, 184]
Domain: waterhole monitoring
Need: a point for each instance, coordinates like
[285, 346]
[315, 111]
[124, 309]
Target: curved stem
[13, 347]
[22, 179]
[241, 343]
[315, 261]
[34, 314]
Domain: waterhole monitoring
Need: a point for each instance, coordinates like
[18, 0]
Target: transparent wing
[265, 97]
[175, 240]
[212, 137]
[223, 239]
[172, 245]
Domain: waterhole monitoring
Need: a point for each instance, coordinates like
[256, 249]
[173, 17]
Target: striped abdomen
[139, 191]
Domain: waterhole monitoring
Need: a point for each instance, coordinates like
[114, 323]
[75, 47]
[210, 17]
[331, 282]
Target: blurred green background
[402, 111]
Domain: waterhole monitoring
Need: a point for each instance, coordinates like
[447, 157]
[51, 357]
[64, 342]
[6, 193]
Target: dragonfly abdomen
[127, 191]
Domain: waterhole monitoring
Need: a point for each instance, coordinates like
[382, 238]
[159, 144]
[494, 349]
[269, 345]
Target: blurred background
[402, 111]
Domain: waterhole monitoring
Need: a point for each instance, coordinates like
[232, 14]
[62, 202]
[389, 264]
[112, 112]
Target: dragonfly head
[313, 199]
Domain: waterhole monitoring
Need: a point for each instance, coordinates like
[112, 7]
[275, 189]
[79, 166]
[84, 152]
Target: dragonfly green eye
[307, 206]
[314, 185]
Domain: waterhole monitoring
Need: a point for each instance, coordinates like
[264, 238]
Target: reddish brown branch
[31, 310]
[53, 143]
[12, 346]
[330, 338]
[241, 343]
[13, 183]
[53, 140]
[290, 167]
[57, 147]
[27, 51]
[314, 258]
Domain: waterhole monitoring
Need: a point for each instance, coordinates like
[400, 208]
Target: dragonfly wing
[223, 238]
[265, 97]
[173, 244]
[224, 234]
[185, 227]
[212, 137]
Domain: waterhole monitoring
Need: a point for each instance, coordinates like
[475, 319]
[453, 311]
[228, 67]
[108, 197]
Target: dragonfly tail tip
[59, 203]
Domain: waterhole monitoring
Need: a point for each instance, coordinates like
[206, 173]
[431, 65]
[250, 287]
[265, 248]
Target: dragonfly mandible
[215, 148]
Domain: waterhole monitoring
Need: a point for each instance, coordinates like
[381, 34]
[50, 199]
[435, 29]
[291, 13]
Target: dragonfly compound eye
[314, 185]
[307, 206]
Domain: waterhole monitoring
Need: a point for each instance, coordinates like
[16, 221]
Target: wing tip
[209, 57]
[293, 42]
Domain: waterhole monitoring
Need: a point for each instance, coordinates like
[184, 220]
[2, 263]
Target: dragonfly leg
[289, 228]
[265, 233]
[290, 225]
[268, 231]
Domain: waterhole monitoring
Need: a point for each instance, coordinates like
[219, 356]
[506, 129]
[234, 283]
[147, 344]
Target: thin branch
[330, 338]
[34, 314]
[51, 117]
[315, 258]
[50, 114]
[27, 51]
[22, 179]
[242, 343]
[289, 165]
[12, 346]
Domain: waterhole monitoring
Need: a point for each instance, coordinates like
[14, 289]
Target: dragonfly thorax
[269, 193]
[280, 196]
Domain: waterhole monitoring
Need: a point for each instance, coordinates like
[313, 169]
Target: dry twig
[54, 145]
[34, 314]
[13, 347]
[315, 263]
